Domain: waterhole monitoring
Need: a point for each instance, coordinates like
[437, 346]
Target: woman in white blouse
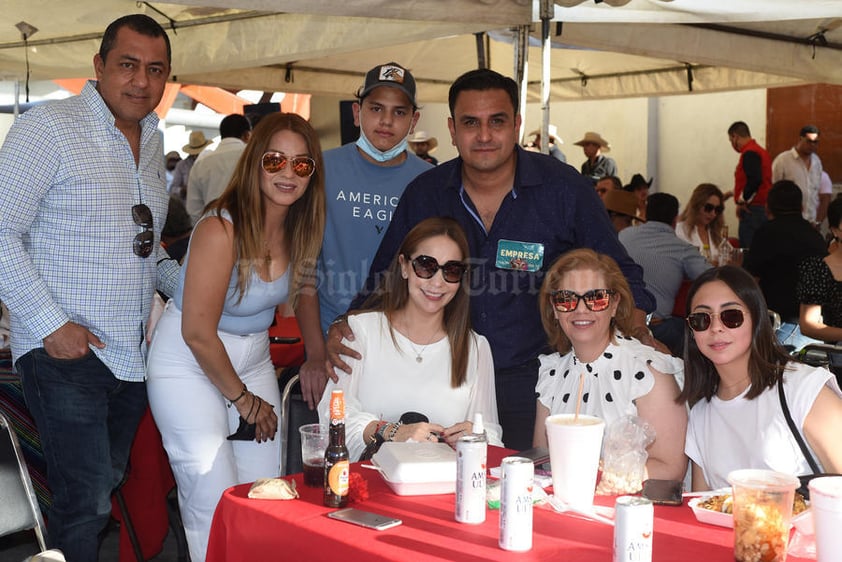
[586, 309]
[419, 353]
[701, 221]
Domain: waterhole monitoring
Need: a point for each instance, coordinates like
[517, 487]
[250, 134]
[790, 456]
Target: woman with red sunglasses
[211, 383]
[586, 309]
[701, 223]
[734, 367]
[419, 353]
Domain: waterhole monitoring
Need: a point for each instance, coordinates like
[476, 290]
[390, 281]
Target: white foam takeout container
[803, 520]
[417, 469]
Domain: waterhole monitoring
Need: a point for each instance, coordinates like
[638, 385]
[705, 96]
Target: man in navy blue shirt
[521, 210]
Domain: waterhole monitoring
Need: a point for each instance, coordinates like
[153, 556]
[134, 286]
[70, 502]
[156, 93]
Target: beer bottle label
[338, 478]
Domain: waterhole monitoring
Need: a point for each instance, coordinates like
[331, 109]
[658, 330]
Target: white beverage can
[516, 504]
[633, 520]
[471, 459]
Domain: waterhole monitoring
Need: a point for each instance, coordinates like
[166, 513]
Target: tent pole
[547, 10]
[521, 71]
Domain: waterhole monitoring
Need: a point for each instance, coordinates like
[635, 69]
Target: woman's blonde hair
[578, 260]
[691, 213]
[243, 199]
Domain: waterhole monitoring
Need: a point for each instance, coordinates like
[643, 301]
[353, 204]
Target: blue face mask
[378, 155]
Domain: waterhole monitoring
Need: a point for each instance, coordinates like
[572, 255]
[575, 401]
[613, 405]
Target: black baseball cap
[391, 75]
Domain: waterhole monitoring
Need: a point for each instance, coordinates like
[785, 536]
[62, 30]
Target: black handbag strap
[795, 433]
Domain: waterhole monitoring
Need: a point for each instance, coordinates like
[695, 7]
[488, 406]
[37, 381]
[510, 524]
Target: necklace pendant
[418, 359]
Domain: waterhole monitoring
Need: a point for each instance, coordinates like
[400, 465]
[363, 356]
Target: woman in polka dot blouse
[586, 308]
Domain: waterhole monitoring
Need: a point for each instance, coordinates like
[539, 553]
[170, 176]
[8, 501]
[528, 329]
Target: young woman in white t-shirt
[733, 365]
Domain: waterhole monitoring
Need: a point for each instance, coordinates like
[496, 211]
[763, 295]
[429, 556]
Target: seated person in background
[596, 164]
[622, 208]
[701, 222]
[621, 375]
[419, 353]
[555, 141]
[666, 261]
[733, 366]
[819, 287]
[777, 248]
[640, 188]
[606, 184]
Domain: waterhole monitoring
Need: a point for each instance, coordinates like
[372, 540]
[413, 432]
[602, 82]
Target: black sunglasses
[143, 242]
[596, 300]
[425, 267]
[711, 208]
[731, 318]
[302, 166]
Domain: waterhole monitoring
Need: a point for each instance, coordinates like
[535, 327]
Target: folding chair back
[18, 504]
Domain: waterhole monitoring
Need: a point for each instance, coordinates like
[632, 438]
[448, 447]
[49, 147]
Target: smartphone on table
[365, 518]
[663, 492]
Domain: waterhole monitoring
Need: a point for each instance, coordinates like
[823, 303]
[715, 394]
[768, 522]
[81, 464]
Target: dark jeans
[87, 420]
[516, 400]
[751, 220]
[670, 332]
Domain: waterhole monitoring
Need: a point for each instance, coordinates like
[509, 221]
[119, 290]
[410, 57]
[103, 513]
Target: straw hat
[595, 138]
[553, 132]
[622, 202]
[423, 136]
[197, 143]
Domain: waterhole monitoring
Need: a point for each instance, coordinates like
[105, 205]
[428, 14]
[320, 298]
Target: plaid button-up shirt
[68, 181]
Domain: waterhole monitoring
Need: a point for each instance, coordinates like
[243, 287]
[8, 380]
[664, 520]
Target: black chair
[824, 355]
[19, 509]
[294, 414]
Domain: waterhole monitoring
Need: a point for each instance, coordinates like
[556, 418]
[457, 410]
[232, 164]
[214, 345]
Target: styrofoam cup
[574, 457]
[826, 503]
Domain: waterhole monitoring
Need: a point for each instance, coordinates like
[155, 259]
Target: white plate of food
[714, 508]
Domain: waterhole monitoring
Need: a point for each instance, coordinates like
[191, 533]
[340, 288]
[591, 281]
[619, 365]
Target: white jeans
[194, 421]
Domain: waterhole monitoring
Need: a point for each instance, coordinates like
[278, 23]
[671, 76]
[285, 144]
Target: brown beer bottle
[337, 466]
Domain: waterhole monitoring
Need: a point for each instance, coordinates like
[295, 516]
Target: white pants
[194, 421]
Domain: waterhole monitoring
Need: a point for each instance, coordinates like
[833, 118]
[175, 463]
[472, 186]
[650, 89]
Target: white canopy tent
[616, 48]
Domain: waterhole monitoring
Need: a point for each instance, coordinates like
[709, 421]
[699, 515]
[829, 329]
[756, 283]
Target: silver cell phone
[365, 518]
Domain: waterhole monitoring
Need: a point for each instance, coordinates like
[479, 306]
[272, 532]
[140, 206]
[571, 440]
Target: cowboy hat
[423, 136]
[197, 143]
[638, 182]
[621, 202]
[553, 132]
[596, 138]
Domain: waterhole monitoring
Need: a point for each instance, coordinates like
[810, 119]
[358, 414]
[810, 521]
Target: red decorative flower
[358, 488]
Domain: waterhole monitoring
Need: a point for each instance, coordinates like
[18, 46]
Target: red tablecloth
[247, 530]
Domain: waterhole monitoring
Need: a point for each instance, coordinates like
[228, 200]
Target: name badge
[519, 256]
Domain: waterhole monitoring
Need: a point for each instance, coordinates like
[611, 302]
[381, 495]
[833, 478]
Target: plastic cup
[826, 503]
[762, 513]
[574, 457]
[313, 443]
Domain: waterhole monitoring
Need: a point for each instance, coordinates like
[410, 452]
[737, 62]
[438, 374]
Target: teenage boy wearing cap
[363, 182]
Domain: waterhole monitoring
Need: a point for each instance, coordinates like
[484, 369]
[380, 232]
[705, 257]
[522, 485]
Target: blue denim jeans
[753, 219]
[670, 332]
[516, 401]
[87, 420]
[790, 336]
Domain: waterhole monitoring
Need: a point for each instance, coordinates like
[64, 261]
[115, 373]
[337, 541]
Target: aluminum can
[516, 504]
[471, 459]
[633, 516]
